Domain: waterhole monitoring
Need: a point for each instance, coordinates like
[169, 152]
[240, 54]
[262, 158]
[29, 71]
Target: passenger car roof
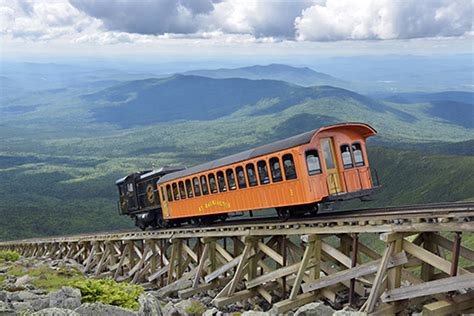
[287, 143]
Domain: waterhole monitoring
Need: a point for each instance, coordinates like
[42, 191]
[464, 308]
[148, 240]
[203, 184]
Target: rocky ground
[35, 287]
[32, 294]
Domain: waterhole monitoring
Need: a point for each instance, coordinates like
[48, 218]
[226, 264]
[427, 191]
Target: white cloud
[38, 20]
[384, 19]
[232, 21]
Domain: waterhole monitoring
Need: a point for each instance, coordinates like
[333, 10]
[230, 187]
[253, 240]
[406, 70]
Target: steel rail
[382, 219]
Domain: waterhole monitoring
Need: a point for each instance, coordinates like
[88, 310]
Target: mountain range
[302, 76]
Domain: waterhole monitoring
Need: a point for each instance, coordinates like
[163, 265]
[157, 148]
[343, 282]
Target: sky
[187, 29]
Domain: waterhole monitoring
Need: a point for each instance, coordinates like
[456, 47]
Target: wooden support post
[355, 250]
[283, 253]
[377, 285]
[427, 270]
[162, 263]
[455, 258]
[309, 252]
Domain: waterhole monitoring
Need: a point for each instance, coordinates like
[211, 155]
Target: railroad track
[383, 219]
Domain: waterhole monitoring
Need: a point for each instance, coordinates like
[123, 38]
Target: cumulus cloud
[148, 16]
[36, 20]
[128, 21]
[384, 19]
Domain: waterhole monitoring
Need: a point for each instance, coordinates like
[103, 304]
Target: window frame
[294, 166]
[197, 192]
[248, 176]
[315, 171]
[344, 165]
[244, 184]
[232, 172]
[182, 190]
[169, 192]
[265, 169]
[176, 194]
[221, 183]
[211, 190]
[189, 190]
[361, 153]
[163, 195]
[272, 170]
[204, 185]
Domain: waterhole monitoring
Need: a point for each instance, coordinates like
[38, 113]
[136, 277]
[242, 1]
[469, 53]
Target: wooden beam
[429, 288]
[358, 271]
[377, 286]
[430, 258]
[286, 305]
[456, 304]
[237, 296]
[274, 275]
[200, 268]
[270, 252]
[448, 244]
[301, 270]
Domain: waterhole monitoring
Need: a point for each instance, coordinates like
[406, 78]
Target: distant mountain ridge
[453, 106]
[189, 97]
[302, 76]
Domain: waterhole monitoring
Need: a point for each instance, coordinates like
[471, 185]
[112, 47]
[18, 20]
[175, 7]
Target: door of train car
[332, 171]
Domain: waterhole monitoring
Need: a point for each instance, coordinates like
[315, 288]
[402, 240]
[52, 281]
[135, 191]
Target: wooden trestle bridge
[289, 264]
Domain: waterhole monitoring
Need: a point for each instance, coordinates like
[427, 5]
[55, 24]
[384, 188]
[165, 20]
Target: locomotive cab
[138, 196]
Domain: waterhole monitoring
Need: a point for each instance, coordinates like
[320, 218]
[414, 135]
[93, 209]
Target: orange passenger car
[293, 176]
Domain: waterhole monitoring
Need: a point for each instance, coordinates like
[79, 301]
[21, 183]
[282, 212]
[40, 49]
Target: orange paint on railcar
[329, 161]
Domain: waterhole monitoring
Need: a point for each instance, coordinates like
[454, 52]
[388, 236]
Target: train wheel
[283, 213]
[163, 223]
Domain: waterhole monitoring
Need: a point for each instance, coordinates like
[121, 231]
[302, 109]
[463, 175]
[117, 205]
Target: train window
[263, 172]
[163, 196]
[205, 189]
[241, 177]
[168, 191]
[312, 162]
[289, 167]
[175, 192]
[197, 188]
[212, 183]
[346, 157]
[181, 190]
[328, 159]
[275, 168]
[251, 174]
[130, 187]
[358, 155]
[230, 179]
[221, 181]
[189, 188]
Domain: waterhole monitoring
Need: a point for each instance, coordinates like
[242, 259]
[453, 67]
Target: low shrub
[9, 255]
[110, 292]
[195, 309]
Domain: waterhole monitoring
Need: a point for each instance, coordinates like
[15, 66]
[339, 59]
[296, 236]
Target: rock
[170, 310]
[3, 296]
[66, 297]
[5, 310]
[99, 309]
[4, 269]
[255, 313]
[211, 312]
[347, 311]
[54, 311]
[13, 297]
[149, 305]
[22, 306]
[314, 309]
[24, 280]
